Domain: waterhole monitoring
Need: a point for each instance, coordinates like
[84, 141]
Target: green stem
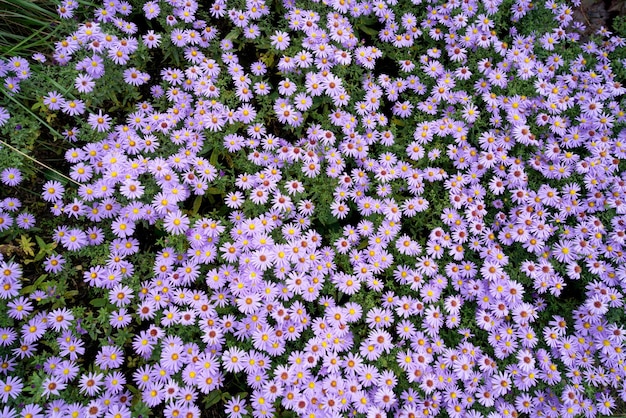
[29, 111]
[38, 162]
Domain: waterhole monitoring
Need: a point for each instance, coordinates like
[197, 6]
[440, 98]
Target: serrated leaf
[268, 59]
[27, 245]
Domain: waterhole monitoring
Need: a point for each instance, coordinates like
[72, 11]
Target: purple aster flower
[71, 347]
[10, 271]
[12, 84]
[25, 220]
[118, 411]
[73, 107]
[235, 407]
[39, 57]
[11, 176]
[4, 116]
[120, 318]
[120, 295]
[19, 308]
[135, 77]
[176, 222]
[11, 204]
[66, 371]
[10, 388]
[52, 385]
[84, 83]
[71, 134]
[7, 337]
[33, 330]
[54, 263]
[74, 239]
[123, 227]
[100, 122]
[151, 9]
[110, 357]
[280, 40]
[258, 68]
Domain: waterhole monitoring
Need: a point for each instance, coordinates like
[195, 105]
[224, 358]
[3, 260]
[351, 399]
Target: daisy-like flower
[280, 40]
[11, 176]
[91, 383]
[120, 295]
[120, 318]
[176, 222]
[73, 107]
[4, 116]
[110, 357]
[54, 263]
[564, 251]
[135, 77]
[132, 189]
[19, 308]
[74, 239]
[52, 386]
[10, 388]
[151, 39]
[406, 245]
[100, 122]
[25, 220]
[84, 83]
[53, 100]
[151, 9]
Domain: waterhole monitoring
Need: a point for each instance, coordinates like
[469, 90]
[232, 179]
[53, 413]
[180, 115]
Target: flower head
[11, 176]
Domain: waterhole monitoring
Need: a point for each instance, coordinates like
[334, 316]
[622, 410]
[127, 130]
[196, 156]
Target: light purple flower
[100, 122]
[176, 222]
[11, 176]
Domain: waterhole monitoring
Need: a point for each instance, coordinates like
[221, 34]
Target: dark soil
[599, 13]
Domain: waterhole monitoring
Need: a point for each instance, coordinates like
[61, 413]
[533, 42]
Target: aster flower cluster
[10, 214]
[401, 197]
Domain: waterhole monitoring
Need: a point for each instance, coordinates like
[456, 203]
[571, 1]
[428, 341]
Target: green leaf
[27, 245]
[40, 255]
[233, 34]
[213, 398]
[214, 190]
[214, 156]
[397, 122]
[98, 303]
[196, 205]
[35, 286]
[368, 30]
[268, 59]
[40, 242]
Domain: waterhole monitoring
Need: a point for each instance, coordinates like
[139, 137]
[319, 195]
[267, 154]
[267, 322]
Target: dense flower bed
[336, 208]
